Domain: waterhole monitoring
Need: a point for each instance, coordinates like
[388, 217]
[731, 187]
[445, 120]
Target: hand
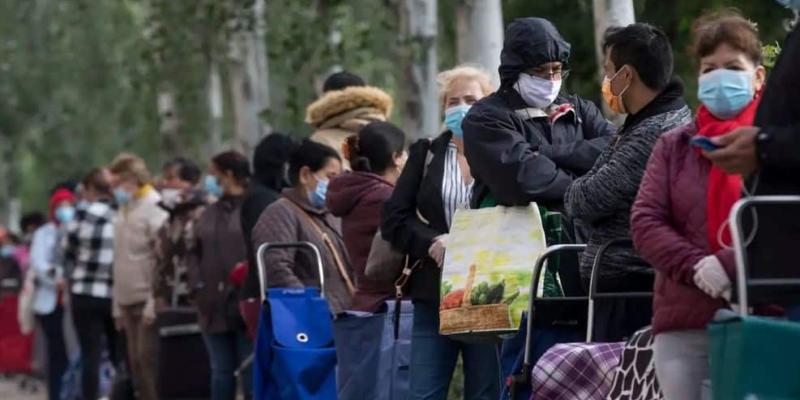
[149, 312]
[437, 249]
[711, 278]
[737, 155]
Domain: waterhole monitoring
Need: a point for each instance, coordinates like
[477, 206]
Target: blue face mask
[793, 4]
[6, 251]
[453, 117]
[211, 186]
[65, 214]
[122, 197]
[317, 197]
[725, 92]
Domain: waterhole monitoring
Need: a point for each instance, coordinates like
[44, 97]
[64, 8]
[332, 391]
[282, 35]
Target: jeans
[53, 328]
[681, 361]
[142, 340]
[433, 360]
[226, 351]
[93, 321]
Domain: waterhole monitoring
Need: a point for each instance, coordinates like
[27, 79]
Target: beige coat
[342, 113]
[135, 230]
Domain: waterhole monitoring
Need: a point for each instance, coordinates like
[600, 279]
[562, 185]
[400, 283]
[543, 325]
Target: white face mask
[537, 92]
[170, 197]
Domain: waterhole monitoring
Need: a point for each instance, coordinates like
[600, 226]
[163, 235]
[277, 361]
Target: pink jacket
[668, 224]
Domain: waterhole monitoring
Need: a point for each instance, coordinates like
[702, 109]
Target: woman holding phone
[679, 219]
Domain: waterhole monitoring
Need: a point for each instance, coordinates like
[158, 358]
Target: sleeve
[400, 226]
[42, 249]
[164, 267]
[653, 235]
[190, 235]
[69, 247]
[608, 188]
[580, 156]
[513, 169]
[155, 221]
[783, 148]
[278, 225]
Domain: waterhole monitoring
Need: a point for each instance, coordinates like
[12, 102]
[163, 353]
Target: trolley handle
[595, 277]
[266, 247]
[743, 282]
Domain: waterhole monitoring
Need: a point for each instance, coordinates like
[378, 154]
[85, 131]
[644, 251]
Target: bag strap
[329, 244]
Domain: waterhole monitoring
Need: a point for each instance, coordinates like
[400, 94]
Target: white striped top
[456, 193]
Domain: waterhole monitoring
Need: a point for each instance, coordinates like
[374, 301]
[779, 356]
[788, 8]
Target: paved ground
[21, 388]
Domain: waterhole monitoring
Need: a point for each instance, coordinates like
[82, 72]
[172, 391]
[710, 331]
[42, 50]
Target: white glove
[149, 312]
[711, 278]
[437, 249]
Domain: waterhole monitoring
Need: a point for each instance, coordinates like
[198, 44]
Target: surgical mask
[6, 251]
[317, 197]
[170, 197]
[211, 186]
[793, 4]
[65, 214]
[614, 101]
[537, 92]
[725, 92]
[122, 196]
[453, 117]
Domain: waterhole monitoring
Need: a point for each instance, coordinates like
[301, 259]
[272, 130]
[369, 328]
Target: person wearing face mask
[377, 155]
[49, 285]
[679, 218]
[301, 216]
[215, 248]
[639, 82]
[88, 253]
[527, 141]
[138, 220]
[435, 182]
[184, 203]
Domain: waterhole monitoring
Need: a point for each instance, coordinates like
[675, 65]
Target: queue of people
[123, 246]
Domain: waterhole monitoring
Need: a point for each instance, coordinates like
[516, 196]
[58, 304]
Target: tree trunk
[169, 121]
[609, 13]
[418, 28]
[249, 81]
[215, 104]
[479, 24]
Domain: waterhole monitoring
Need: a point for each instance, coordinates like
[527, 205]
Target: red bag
[16, 349]
[251, 312]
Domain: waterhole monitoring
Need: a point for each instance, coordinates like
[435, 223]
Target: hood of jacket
[530, 42]
[350, 189]
[337, 106]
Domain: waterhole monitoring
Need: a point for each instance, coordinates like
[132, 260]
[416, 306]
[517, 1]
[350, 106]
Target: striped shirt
[456, 193]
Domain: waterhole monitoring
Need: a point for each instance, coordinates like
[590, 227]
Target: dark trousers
[53, 328]
[93, 321]
[617, 319]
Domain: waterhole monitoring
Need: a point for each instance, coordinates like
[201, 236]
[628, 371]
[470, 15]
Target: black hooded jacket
[518, 154]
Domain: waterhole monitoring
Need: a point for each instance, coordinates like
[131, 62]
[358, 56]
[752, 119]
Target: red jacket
[357, 198]
[668, 224]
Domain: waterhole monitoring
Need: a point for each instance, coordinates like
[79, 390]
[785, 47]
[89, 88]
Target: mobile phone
[704, 143]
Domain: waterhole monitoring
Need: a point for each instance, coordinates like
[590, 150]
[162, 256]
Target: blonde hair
[465, 72]
[128, 165]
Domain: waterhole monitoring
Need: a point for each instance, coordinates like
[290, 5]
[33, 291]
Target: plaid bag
[576, 371]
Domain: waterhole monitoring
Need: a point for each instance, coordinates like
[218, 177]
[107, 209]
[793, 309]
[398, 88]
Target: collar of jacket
[298, 197]
[143, 191]
[670, 99]
[560, 108]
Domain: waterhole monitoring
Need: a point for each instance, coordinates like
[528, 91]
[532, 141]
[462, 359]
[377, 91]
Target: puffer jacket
[604, 196]
[342, 113]
[519, 154]
[358, 198]
[668, 224]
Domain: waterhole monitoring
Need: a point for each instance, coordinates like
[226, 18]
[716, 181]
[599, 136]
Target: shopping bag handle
[743, 281]
[266, 247]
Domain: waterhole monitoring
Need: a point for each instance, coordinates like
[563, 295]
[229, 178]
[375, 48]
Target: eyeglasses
[549, 73]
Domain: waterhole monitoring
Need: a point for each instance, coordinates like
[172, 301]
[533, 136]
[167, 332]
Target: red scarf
[723, 190]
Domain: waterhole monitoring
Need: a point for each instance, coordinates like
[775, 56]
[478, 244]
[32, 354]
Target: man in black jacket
[269, 178]
[527, 142]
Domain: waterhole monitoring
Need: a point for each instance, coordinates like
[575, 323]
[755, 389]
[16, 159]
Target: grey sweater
[603, 197]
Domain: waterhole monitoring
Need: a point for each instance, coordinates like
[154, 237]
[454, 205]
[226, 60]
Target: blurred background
[81, 80]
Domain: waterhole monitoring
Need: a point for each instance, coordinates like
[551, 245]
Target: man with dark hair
[341, 80]
[638, 82]
[179, 173]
